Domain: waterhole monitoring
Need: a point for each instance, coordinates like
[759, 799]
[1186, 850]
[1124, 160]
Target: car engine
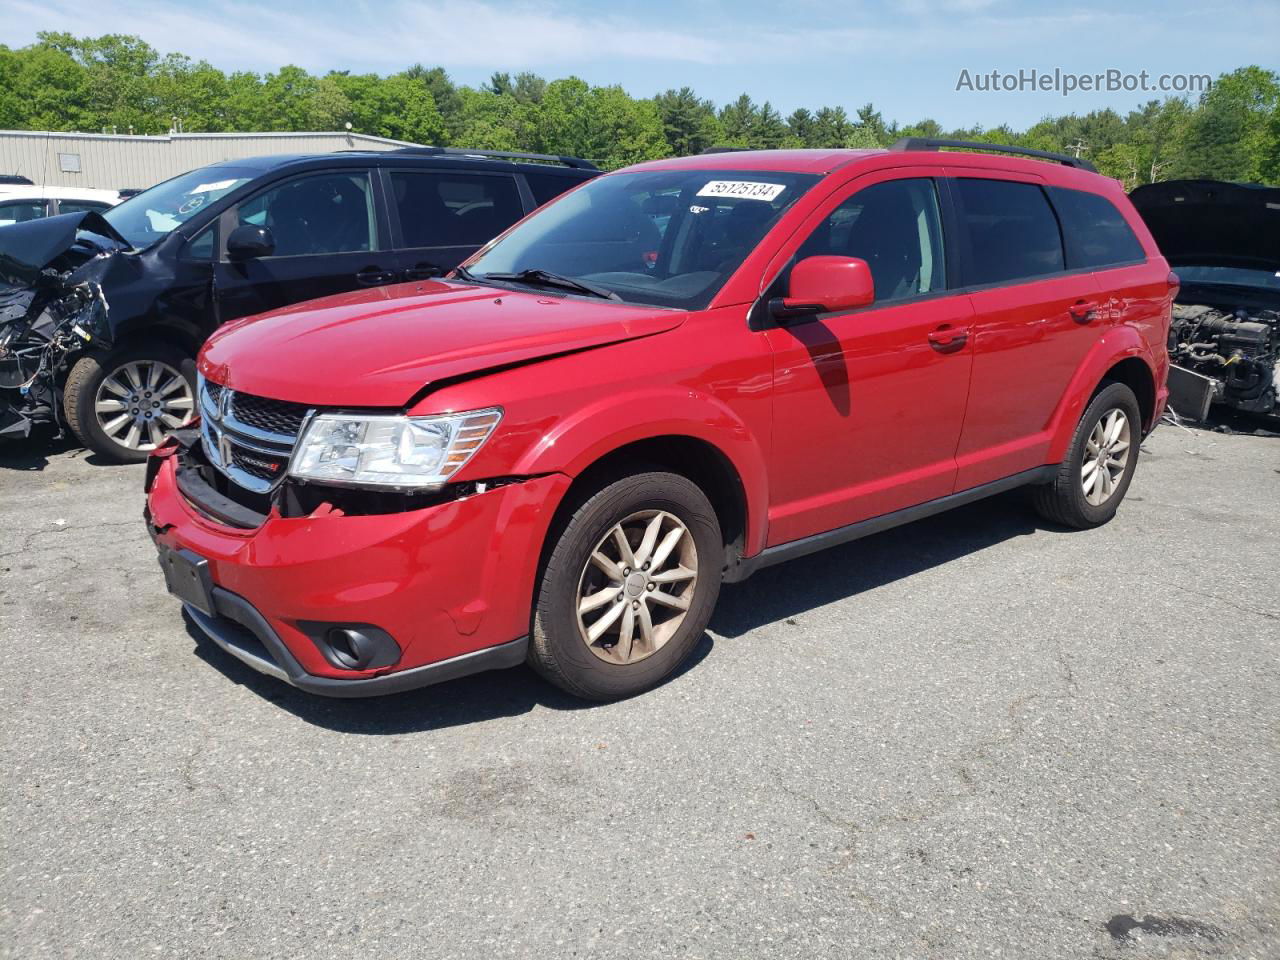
[1239, 351]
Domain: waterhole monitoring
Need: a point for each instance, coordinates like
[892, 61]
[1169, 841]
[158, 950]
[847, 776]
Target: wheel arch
[1119, 356]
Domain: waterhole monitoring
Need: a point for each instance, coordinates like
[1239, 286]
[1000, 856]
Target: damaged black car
[1223, 240]
[101, 316]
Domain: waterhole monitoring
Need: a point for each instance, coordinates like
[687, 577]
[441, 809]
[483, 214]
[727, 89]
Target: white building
[116, 162]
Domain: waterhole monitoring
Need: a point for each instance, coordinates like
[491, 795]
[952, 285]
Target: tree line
[118, 83]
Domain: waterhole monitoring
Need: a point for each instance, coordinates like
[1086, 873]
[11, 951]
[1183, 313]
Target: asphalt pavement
[977, 736]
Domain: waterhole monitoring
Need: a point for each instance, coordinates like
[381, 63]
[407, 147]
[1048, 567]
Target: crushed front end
[52, 307]
[338, 591]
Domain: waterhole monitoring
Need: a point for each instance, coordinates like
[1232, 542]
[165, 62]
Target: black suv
[100, 316]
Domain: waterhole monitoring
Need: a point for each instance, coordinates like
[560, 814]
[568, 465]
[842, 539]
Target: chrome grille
[249, 439]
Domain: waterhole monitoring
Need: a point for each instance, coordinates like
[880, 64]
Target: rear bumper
[452, 584]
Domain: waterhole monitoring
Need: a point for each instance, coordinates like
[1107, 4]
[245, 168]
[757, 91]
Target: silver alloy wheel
[1106, 454]
[636, 587]
[138, 403]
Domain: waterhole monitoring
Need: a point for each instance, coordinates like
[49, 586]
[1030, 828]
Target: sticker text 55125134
[743, 190]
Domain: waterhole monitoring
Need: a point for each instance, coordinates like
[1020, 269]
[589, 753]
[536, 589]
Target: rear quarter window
[1009, 230]
[1095, 232]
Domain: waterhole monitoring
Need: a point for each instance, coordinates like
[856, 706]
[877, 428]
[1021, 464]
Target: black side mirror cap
[250, 242]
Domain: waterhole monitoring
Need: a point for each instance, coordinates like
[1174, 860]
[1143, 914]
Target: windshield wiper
[545, 278]
[462, 273]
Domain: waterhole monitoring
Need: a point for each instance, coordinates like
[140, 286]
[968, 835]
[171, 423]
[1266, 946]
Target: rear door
[1033, 322]
[330, 237]
[440, 217]
[868, 404]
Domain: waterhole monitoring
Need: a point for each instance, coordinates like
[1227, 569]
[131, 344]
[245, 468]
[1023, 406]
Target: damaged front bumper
[428, 594]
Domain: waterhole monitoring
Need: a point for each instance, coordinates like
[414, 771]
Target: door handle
[372, 276]
[1082, 311]
[423, 271]
[948, 339]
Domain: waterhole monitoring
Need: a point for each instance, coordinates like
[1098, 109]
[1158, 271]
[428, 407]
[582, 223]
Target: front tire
[628, 588]
[1095, 475]
[122, 404]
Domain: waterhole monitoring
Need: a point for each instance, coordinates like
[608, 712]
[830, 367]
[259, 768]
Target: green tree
[688, 123]
[738, 121]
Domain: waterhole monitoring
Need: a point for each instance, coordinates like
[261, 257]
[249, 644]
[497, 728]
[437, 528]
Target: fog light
[353, 646]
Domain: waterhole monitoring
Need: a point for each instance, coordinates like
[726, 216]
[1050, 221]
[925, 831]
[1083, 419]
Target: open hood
[1213, 224]
[28, 248]
[381, 347]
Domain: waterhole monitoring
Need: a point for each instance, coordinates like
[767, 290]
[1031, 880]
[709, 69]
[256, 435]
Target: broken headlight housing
[390, 452]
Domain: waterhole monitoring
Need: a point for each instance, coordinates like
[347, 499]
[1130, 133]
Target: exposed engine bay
[1239, 351]
[1223, 241]
[51, 308]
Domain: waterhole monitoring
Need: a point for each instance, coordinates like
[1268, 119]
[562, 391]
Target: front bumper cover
[452, 583]
[239, 629]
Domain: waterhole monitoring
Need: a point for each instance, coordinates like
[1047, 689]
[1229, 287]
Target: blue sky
[906, 57]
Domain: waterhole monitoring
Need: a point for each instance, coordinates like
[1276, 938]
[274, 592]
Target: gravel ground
[970, 737]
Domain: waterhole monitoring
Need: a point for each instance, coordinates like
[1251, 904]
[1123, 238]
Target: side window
[201, 246]
[1096, 232]
[547, 186]
[451, 210]
[82, 206]
[20, 211]
[896, 228]
[323, 213]
[1009, 229]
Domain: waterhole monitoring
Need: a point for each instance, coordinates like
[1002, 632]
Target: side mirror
[249, 242]
[826, 285]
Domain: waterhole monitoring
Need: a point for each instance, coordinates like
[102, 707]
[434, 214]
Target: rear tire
[628, 588]
[121, 404]
[1094, 476]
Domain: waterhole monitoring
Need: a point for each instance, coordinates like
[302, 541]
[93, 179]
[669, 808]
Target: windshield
[669, 238]
[1238, 276]
[144, 219]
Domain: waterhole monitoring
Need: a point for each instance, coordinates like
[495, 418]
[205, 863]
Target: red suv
[671, 376]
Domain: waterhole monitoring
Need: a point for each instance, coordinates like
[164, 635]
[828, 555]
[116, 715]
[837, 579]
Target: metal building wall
[107, 161]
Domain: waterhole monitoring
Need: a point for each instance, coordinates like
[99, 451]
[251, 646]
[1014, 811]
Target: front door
[328, 239]
[869, 404]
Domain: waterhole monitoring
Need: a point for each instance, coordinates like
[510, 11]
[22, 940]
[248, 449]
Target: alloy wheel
[140, 402]
[1106, 454]
[636, 587]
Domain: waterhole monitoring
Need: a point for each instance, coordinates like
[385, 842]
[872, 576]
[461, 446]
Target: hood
[28, 248]
[1213, 224]
[379, 348]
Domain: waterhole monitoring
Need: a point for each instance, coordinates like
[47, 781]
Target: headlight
[418, 453]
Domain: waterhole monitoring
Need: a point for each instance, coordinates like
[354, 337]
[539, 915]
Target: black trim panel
[243, 632]
[865, 528]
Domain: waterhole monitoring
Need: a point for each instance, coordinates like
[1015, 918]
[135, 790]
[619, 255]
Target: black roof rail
[932, 143]
[577, 163]
[725, 149]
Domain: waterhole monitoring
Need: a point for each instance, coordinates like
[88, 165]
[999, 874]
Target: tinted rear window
[1096, 232]
[547, 186]
[453, 209]
[1010, 230]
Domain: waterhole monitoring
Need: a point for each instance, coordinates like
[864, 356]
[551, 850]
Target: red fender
[1118, 343]
[581, 439]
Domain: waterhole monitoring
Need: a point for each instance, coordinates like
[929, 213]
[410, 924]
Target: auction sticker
[743, 190]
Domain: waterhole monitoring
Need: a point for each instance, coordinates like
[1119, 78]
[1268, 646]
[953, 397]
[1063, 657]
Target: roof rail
[577, 163]
[931, 143]
[725, 149]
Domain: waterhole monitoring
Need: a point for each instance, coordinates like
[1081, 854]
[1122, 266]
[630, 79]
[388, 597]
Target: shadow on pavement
[794, 588]
[484, 696]
[787, 590]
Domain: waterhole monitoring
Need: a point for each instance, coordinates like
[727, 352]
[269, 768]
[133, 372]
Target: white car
[20, 203]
